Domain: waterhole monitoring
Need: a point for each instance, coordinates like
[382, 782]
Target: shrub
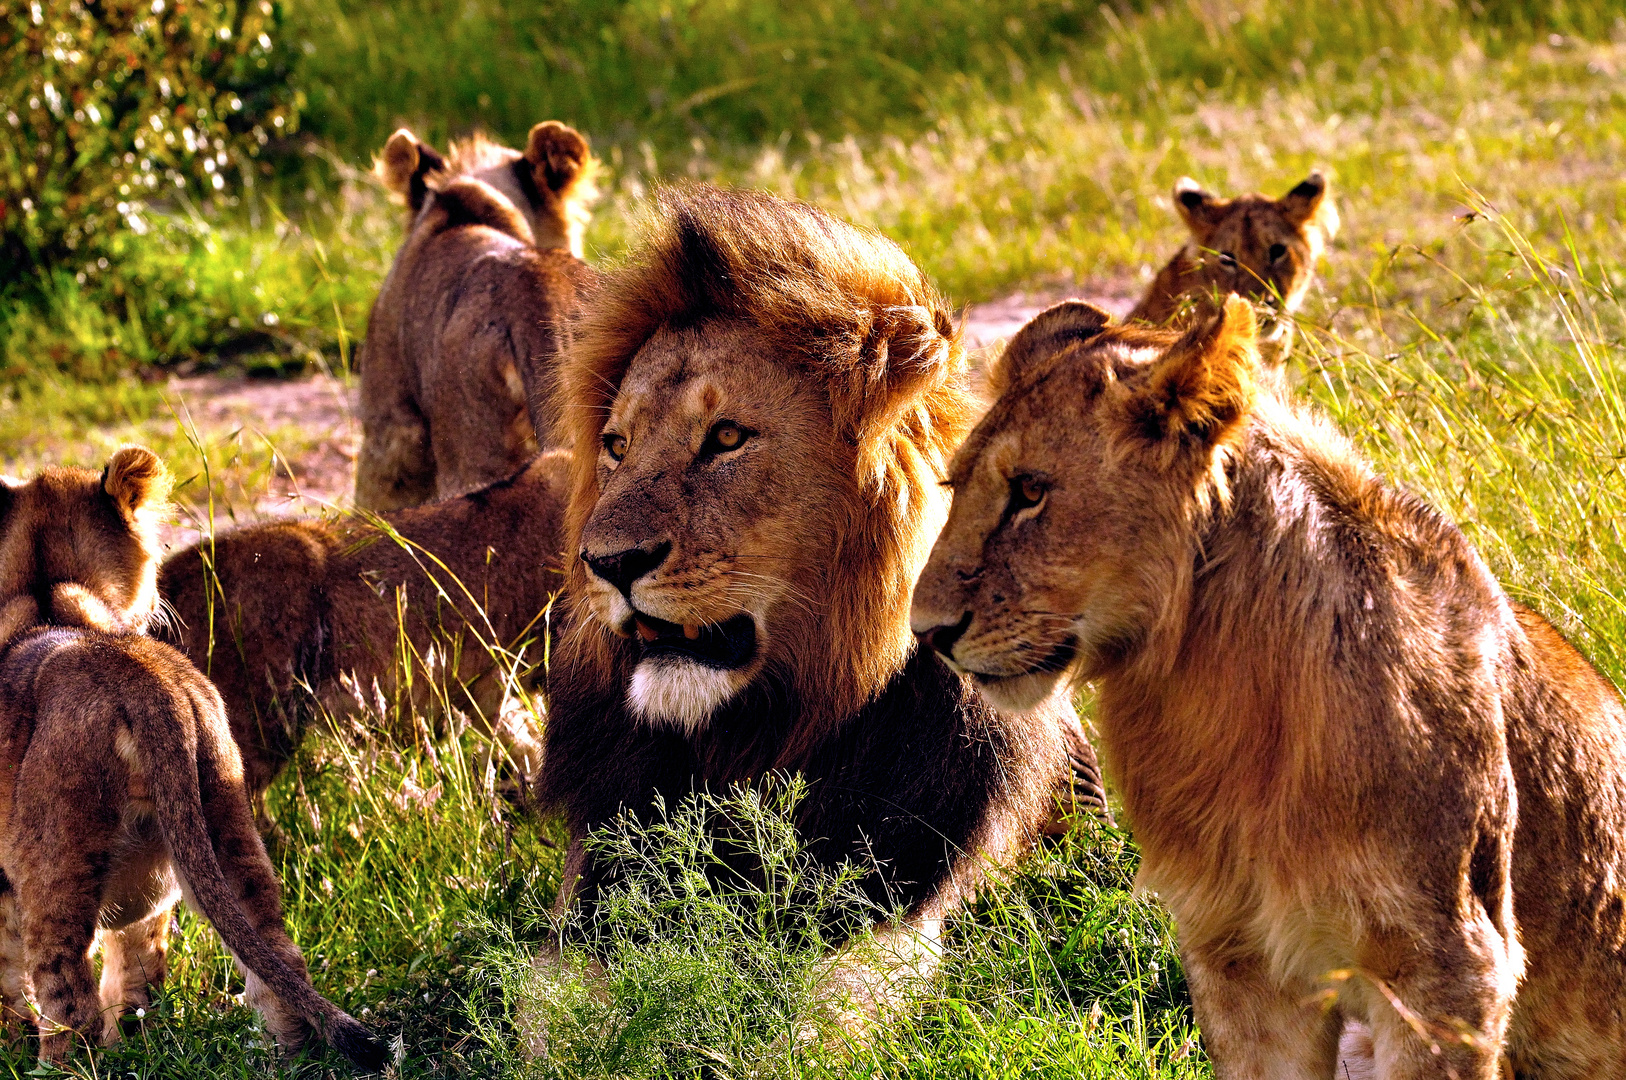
[119, 107]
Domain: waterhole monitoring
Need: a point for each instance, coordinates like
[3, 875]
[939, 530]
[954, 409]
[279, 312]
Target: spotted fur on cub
[120, 787]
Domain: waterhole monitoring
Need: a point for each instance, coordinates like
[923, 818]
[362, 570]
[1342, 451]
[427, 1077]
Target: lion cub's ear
[1308, 203]
[1203, 387]
[136, 480]
[558, 154]
[1200, 210]
[1046, 334]
[403, 166]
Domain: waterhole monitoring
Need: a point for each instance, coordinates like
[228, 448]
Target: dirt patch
[989, 324]
[309, 425]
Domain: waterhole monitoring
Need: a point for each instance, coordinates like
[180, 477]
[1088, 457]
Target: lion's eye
[1027, 491]
[615, 446]
[725, 436]
[1227, 260]
[1277, 251]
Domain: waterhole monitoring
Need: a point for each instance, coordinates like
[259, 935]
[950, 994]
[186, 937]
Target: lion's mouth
[726, 645]
[1058, 659]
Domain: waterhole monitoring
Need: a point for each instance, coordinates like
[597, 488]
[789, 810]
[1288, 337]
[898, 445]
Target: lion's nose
[625, 567]
[942, 638]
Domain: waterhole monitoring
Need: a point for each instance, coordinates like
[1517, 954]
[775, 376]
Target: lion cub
[120, 786]
[1370, 786]
[427, 607]
[457, 371]
[1261, 248]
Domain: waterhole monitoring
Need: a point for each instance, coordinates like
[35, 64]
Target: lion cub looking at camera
[1369, 786]
[119, 783]
[1260, 248]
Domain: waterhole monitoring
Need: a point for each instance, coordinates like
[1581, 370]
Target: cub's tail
[168, 726]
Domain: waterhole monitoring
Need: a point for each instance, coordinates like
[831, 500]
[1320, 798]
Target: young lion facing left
[120, 786]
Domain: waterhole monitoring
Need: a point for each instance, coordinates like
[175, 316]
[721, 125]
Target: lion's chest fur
[923, 784]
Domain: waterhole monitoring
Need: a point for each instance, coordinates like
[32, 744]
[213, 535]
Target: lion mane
[907, 766]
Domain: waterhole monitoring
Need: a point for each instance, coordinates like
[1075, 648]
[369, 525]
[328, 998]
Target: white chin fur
[1020, 694]
[678, 693]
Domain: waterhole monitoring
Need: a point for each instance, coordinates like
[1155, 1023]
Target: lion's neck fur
[1247, 692]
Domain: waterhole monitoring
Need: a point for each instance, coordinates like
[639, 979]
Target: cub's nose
[625, 567]
[942, 638]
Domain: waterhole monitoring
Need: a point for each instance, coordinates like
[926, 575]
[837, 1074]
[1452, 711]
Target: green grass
[1467, 334]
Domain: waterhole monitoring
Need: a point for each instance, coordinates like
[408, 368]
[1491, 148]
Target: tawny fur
[837, 366]
[65, 544]
[458, 367]
[1370, 787]
[293, 619]
[1257, 247]
[120, 787]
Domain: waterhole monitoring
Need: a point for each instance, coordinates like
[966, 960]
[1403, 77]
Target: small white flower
[141, 1014]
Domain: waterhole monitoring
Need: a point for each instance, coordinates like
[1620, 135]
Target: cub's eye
[1277, 251]
[1027, 491]
[615, 446]
[1227, 260]
[725, 436]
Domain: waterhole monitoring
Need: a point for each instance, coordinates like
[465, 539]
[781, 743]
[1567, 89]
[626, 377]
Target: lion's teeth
[647, 632]
[691, 632]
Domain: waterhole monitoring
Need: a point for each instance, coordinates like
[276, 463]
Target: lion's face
[717, 484]
[1069, 501]
[1259, 248]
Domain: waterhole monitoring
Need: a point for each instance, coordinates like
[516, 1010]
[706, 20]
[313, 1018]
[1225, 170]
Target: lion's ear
[908, 352]
[1199, 209]
[403, 166]
[1046, 334]
[1308, 203]
[136, 480]
[1203, 387]
[558, 155]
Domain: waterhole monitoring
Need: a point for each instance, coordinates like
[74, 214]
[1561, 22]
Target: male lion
[458, 363]
[426, 607]
[119, 783]
[1261, 248]
[760, 406]
[1369, 786]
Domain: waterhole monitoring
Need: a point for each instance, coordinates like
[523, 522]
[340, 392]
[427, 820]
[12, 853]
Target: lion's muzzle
[727, 645]
[624, 567]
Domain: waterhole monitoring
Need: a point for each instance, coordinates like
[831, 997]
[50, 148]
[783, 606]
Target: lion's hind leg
[16, 1016]
[396, 467]
[59, 901]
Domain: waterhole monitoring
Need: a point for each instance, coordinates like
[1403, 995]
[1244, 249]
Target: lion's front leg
[1255, 1028]
[872, 979]
[134, 958]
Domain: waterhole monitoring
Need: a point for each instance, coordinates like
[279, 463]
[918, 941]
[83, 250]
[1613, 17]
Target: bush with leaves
[115, 109]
